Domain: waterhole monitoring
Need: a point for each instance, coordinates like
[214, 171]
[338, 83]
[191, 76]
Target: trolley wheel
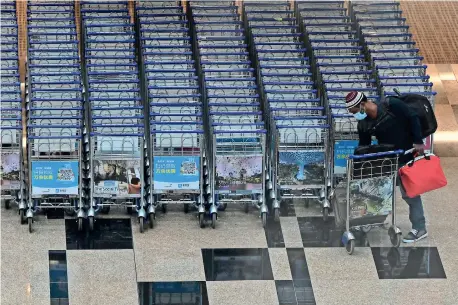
[325, 214]
[396, 239]
[246, 207]
[105, 210]
[22, 217]
[152, 217]
[186, 208]
[7, 204]
[350, 246]
[307, 203]
[80, 224]
[202, 220]
[91, 223]
[213, 220]
[70, 212]
[264, 219]
[141, 221]
[164, 208]
[222, 207]
[130, 210]
[277, 214]
[29, 222]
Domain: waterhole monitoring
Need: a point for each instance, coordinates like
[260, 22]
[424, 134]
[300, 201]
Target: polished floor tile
[300, 288]
[58, 280]
[237, 264]
[315, 232]
[55, 214]
[408, 263]
[107, 234]
[287, 208]
[274, 234]
[242, 293]
[177, 293]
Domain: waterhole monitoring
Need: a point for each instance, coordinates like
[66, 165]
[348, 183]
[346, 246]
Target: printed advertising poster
[117, 177]
[176, 173]
[10, 170]
[371, 197]
[238, 173]
[55, 177]
[301, 167]
[343, 149]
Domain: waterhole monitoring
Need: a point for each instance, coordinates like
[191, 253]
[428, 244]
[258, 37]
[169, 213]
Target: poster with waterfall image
[301, 167]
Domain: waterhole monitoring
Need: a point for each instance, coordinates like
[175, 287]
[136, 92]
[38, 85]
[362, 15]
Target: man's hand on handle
[419, 148]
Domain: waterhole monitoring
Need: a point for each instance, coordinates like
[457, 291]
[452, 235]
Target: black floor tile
[237, 264]
[287, 208]
[299, 291]
[315, 232]
[408, 263]
[107, 234]
[274, 234]
[58, 282]
[177, 293]
[55, 214]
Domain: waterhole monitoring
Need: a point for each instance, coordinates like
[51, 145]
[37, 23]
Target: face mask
[360, 116]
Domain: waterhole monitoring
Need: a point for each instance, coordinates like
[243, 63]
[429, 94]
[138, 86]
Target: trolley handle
[177, 131]
[261, 131]
[116, 134]
[303, 126]
[380, 154]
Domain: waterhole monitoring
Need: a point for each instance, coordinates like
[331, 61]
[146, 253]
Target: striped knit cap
[353, 99]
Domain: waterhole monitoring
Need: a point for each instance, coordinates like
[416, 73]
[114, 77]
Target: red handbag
[421, 175]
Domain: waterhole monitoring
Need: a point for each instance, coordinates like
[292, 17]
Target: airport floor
[299, 260]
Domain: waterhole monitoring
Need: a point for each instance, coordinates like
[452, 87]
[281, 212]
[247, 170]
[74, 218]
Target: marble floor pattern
[299, 260]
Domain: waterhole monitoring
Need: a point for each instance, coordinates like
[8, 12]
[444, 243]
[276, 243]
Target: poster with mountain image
[371, 197]
[304, 167]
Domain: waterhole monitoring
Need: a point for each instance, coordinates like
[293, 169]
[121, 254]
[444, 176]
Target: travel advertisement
[117, 178]
[176, 173]
[239, 173]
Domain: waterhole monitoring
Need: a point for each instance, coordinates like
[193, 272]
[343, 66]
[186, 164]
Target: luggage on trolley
[369, 196]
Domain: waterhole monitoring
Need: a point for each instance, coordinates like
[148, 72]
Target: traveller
[400, 128]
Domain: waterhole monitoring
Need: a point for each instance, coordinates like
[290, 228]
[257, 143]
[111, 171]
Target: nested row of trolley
[176, 121]
[232, 110]
[54, 110]
[115, 120]
[296, 120]
[11, 170]
[392, 52]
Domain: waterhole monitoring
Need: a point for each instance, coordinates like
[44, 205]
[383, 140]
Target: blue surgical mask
[360, 116]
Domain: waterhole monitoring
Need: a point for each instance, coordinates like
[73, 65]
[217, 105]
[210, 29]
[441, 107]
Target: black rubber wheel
[130, 210]
[396, 240]
[91, 223]
[29, 222]
[151, 217]
[105, 210]
[22, 219]
[70, 212]
[186, 208]
[325, 214]
[277, 214]
[7, 204]
[222, 207]
[350, 247]
[246, 207]
[202, 220]
[80, 224]
[264, 219]
[141, 221]
[164, 208]
[213, 220]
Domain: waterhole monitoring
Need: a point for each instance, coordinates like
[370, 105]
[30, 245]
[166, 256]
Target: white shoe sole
[409, 241]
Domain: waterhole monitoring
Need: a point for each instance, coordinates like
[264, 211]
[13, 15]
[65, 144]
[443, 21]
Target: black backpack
[421, 105]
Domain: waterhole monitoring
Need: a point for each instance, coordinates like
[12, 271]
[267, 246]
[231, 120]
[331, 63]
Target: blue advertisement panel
[301, 167]
[342, 149]
[176, 173]
[55, 177]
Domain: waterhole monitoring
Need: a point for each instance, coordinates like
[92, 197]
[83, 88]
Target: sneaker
[415, 235]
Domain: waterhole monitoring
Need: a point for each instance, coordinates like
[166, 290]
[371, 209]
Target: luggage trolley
[177, 141]
[297, 126]
[54, 111]
[231, 108]
[116, 113]
[12, 170]
[371, 194]
[392, 52]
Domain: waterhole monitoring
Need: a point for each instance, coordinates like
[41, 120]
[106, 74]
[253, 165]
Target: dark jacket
[400, 127]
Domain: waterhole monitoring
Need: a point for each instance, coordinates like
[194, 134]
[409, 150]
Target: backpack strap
[387, 113]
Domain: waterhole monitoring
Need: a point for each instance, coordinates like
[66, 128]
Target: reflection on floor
[166, 293]
[408, 263]
[58, 281]
[107, 234]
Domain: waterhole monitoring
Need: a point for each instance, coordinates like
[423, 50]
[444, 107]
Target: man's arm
[365, 137]
[399, 109]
